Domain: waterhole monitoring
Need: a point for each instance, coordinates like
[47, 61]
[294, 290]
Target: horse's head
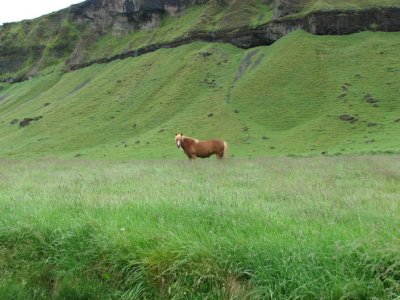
[178, 139]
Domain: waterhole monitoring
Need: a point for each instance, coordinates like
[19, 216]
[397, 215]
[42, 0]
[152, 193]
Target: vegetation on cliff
[77, 35]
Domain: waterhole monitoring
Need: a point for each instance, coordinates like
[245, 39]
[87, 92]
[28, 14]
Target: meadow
[261, 228]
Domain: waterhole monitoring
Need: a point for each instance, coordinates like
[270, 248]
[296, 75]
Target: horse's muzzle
[178, 146]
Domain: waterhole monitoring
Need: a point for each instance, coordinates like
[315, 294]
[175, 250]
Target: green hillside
[304, 95]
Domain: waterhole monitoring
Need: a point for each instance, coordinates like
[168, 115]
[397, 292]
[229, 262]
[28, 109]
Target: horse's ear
[181, 133]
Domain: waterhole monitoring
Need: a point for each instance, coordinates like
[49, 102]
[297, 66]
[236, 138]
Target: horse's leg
[219, 154]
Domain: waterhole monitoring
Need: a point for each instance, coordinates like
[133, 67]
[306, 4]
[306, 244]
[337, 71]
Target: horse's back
[218, 144]
[204, 148]
[209, 147]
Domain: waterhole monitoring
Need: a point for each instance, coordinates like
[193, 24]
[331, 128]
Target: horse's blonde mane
[188, 137]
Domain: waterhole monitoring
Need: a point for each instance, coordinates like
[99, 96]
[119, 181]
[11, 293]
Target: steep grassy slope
[278, 100]
[306, 83]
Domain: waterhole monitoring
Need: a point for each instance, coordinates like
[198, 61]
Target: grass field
[267, 228]
[96, 201]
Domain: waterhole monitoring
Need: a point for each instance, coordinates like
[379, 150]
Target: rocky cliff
[319, 23]
[286, 7]
[30, 46]
[125, 16]
[67, 38]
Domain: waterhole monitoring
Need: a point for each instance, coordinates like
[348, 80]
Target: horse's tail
[225, 149]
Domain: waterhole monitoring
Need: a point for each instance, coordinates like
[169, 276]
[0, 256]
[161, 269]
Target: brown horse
[194, 148]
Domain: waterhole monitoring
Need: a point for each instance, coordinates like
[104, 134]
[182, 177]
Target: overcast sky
[17, 10]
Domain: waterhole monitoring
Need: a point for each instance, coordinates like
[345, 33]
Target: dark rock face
[132, 6]
[351, 21]
[286, 7]
[12, 58]
[329, 23]
[124, 16]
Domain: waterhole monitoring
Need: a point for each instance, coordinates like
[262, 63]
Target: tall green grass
[263, 228]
